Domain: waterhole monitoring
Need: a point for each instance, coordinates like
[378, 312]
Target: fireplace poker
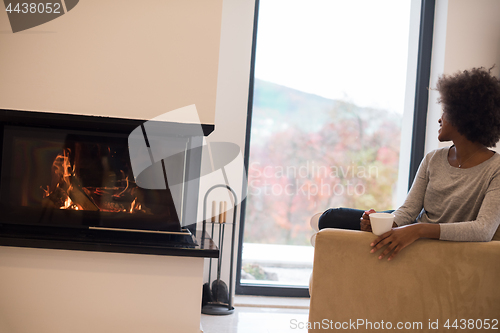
[222, 222]
[220, 240]
[214, 209]
[223, 231]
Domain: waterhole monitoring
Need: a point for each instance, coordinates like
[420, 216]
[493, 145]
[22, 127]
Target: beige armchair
[426, 285]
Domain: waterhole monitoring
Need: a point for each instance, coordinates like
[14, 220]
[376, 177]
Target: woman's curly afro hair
[471, 101]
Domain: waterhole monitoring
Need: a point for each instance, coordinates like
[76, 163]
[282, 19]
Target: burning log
[79, 197]
[55, 199]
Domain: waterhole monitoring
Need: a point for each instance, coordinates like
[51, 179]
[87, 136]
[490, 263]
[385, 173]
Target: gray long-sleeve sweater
[465, 202]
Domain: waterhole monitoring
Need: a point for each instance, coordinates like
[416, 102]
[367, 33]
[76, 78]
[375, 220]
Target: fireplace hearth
[66, 181]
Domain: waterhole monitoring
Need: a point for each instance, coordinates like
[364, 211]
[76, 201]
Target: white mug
[381, 222]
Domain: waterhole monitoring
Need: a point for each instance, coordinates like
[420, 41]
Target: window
[329, 89]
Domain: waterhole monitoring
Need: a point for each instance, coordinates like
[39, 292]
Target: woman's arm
[486, 223]
[399, 238]
[481, 229]
[408, 212]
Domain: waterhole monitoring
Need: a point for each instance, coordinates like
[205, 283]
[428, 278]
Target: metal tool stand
[216, 307]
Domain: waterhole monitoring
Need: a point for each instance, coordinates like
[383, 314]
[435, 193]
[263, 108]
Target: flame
[62, 190]
[132, 206]
[46, 192]
[126, 187]
[62, 166]
[135, 206]
[69, 204]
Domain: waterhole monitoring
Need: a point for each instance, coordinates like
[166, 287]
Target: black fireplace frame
[184, 243]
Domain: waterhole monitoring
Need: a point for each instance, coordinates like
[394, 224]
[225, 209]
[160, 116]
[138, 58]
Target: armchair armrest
[428, 280]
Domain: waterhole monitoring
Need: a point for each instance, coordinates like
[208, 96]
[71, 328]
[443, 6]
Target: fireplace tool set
[217, 298]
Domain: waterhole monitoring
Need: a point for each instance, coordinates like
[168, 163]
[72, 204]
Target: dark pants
[342, 218]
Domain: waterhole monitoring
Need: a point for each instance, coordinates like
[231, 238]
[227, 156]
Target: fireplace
[67, 181]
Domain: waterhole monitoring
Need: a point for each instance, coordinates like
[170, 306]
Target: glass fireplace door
[80, 178]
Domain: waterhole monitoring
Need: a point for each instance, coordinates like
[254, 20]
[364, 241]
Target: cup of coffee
[381, 222]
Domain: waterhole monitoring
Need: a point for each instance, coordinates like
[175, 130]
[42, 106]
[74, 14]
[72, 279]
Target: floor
[254, 314]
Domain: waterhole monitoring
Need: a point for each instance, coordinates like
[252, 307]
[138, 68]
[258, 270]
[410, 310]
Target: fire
[126, 188]
[46, 192]
[62, 167]
[68, 204]
[67, 192]
[135, 206]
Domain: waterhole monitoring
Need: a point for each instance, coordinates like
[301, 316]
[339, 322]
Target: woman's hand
[396, 239]
[365, 224]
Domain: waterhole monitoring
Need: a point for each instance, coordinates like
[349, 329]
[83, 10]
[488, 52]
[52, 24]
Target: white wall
[437, 69]
[409, 106]
[471, 38]
[115, 58]
[57, 291]
[232, 94]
